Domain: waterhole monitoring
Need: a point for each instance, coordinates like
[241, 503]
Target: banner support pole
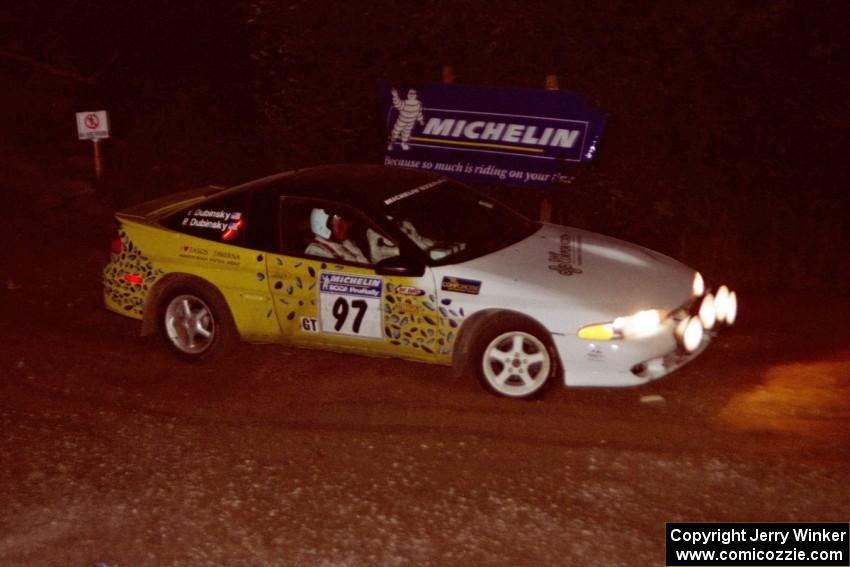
[550, 83]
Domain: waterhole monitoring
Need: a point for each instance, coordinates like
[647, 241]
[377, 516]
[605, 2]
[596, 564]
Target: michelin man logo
[409, 112]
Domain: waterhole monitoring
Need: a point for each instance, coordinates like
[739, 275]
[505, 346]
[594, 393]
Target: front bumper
[631, 362]
[623, 362]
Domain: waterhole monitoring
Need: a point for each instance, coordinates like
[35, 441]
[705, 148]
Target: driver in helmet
[330, 238]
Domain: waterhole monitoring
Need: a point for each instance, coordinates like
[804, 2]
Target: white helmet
[319, 223]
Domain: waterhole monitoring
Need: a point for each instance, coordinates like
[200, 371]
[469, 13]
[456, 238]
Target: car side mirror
[400, 266]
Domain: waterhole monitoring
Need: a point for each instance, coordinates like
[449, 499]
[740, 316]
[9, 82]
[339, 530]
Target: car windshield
[451, 223]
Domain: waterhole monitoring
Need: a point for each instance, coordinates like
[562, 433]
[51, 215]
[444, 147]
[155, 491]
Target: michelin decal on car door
[350, 304]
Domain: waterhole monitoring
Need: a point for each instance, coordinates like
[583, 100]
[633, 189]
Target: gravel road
[114, 452]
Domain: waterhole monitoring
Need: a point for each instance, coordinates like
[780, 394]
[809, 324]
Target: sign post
[94, 126]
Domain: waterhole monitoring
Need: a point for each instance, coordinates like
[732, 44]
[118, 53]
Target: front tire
[195, 325]
[513, 359]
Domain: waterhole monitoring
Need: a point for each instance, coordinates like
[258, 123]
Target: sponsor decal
[461, 285]
[595, 353]
[408, 113]
[194, 253]
[517, 137]
[409, 290]
[567, 260]
[223, 257]
[408, 308]
[412, 192]
[347, 284]
[195, 250]
[508, 136]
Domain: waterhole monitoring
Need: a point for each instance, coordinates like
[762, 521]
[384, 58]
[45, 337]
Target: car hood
[590, 276]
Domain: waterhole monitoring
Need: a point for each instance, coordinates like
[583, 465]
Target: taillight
[115, 244]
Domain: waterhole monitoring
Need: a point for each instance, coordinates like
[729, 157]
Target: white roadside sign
[93, 125]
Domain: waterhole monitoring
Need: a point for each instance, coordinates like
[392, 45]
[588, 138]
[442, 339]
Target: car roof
[365, 186]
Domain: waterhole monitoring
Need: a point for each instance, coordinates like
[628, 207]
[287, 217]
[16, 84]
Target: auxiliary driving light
[692, 336]
[680, 328]
[732, 308]
[721, 303]
[707, 312]
[698, 286]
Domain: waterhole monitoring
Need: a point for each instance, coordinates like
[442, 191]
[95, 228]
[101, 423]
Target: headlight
[641, 324]
[693, 334]
[698, 286]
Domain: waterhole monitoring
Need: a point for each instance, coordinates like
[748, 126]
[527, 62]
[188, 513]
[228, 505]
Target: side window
[321, 229]
[220, 219]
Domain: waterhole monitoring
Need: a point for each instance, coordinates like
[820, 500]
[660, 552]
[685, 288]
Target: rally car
[403, 263]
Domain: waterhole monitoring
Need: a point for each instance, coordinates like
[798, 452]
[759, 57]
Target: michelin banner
[489, 135]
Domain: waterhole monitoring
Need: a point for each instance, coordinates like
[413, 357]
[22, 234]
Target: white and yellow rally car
[402, 263]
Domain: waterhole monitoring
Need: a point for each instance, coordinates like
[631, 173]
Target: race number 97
[350, 304]
[345, 315]
[341, 310]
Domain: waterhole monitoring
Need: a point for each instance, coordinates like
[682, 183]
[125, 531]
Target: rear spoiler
[151, 210]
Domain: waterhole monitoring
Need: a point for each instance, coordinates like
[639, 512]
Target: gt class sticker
[309, 325]
[461, 285]
[350, 304]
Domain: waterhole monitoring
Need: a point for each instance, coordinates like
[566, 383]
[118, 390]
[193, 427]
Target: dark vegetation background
[726, 145]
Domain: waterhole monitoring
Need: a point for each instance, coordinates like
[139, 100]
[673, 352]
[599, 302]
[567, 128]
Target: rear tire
[195, 324]
[513, 358]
